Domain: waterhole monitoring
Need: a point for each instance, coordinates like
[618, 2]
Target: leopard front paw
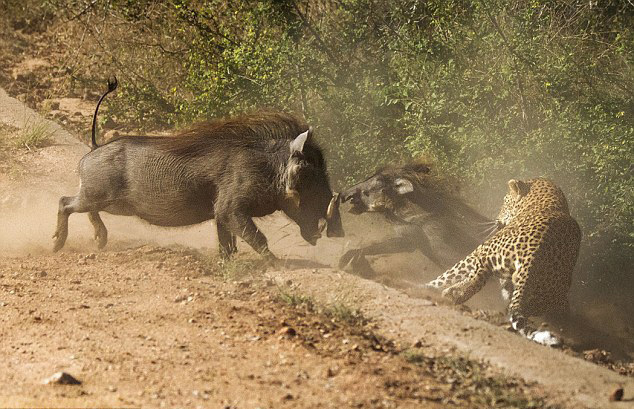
[453, 294]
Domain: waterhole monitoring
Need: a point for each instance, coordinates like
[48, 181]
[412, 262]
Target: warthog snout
[354, 196]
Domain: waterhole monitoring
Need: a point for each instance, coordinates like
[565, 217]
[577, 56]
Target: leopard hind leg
[507, 288]
[520, 323]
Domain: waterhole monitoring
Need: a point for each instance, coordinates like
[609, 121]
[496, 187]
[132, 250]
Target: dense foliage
[490, 89]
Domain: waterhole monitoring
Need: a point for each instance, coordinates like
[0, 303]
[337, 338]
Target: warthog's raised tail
[112, 85]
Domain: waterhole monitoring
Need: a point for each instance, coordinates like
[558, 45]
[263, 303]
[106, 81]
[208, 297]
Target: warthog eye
[366, 193]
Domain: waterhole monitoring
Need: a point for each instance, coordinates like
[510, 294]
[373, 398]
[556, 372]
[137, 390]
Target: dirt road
[154, 320]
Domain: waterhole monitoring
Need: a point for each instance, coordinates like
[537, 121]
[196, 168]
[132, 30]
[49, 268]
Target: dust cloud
[28, 218]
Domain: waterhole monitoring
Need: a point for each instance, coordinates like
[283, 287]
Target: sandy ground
[154, 320]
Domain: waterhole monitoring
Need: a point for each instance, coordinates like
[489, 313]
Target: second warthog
[426, 213]
[229, 170]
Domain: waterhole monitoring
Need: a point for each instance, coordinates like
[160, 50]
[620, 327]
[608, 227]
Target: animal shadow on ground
[298, 264]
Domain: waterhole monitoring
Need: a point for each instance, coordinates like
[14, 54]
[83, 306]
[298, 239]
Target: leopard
[533, 253]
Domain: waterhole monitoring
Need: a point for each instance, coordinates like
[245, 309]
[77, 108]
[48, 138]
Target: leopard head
[512, 201]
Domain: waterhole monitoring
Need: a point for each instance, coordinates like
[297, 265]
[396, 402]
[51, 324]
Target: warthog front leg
[411, 239]
[244, 227]
[388, 246]
[226, 241]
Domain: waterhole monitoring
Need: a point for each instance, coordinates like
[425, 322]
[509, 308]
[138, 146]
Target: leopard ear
[517, 187]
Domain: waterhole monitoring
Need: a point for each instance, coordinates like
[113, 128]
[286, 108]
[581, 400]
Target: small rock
[61, 378]
[597, 355]
[617, 395]
[287, 397]
[288, 332]
[91, 256]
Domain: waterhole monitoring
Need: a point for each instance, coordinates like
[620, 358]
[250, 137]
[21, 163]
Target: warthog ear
[297, 144]
[517, 188]
[403, 186]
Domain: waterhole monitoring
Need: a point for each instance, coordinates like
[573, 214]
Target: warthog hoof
[347, 257]
[60, 240]
[357, 263]
[101, 238]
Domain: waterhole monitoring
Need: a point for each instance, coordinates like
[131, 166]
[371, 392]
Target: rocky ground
[152, 326]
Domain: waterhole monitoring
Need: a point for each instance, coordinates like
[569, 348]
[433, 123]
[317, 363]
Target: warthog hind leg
[101, 233]
[64, 210]
[75, 204]
[61, 233]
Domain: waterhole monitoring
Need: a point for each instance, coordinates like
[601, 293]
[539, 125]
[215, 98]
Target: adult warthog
[425, 211]
[230, 170]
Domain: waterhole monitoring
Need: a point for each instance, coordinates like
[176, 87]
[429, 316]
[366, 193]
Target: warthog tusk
[334, 203]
